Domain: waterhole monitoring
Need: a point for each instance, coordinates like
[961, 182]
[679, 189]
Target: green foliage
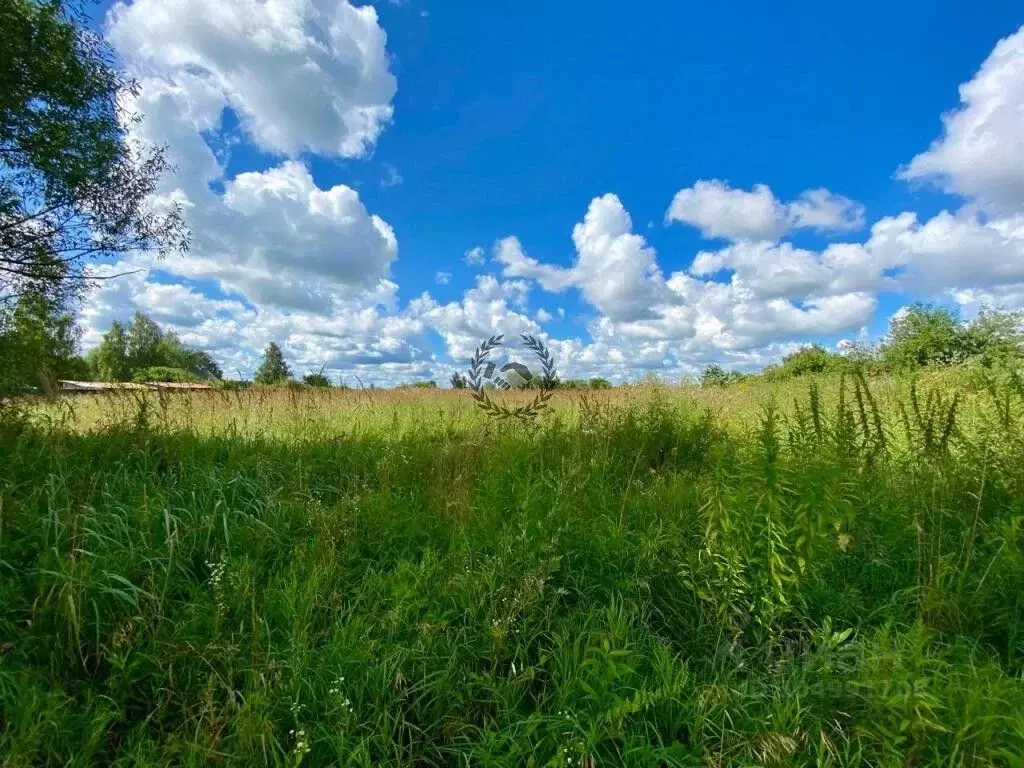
[458, 381]
[164, 373]
[994, 337]
[144, 338]
[72, 186]
[834, 582]
[717, 376]
[571, 384]
[316, 380]
[171, 352]
[109, 360]
[38, 344]
[419, 385]
[924, 335]
[232, 385]
[714, 375]
[808, 361]
[76, 368]
[126, 353]
[273, 369]
[928, 335]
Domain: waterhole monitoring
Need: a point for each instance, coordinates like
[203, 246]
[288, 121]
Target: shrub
[995, 337]
[164, 373]
[808, 361]
[928, 335]
[924, 335]
[714, 376]
[316, 380]
[717, 376]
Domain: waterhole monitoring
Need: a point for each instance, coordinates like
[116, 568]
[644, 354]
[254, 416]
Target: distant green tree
[924, 335]
[273, 369]
[807, 361]
[126, 352]
[714, 376]
[109, 361]
[316, 380]
[860, 354]
[202, 365]
[77, 369]
[598, 383]
[144, 340]
[171, 352]
[994, 336]
[458, 381]
[38, 343]
[572, 384]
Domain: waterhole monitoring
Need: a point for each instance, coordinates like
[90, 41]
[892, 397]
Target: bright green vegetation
[667, 577]
[922, 336]
[143, 351]
[273, 369]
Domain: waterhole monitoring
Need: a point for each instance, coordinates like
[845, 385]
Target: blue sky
[337, 163]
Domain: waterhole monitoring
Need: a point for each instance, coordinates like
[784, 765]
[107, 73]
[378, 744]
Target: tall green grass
[829, 575]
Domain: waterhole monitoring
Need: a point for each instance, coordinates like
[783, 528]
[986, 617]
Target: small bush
[164, 373]
[316, 380]
[233, 384]
[717, 376]
[924, 335]
[808, 361]
[928, 335]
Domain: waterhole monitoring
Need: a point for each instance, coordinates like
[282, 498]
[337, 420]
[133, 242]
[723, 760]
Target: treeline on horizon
[39, 345]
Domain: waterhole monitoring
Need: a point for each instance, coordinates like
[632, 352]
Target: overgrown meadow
[826, 574]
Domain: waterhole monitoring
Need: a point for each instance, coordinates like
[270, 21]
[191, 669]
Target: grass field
[813, 575]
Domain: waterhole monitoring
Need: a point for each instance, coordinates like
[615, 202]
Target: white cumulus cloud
[720, 211]
[979, 153]
[301, 74]
[615, 269]
[271, 235]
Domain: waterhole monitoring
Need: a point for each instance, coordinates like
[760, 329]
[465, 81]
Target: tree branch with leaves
[74, 187]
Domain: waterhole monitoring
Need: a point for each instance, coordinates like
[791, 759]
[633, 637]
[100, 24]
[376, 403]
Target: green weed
[809, 576]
